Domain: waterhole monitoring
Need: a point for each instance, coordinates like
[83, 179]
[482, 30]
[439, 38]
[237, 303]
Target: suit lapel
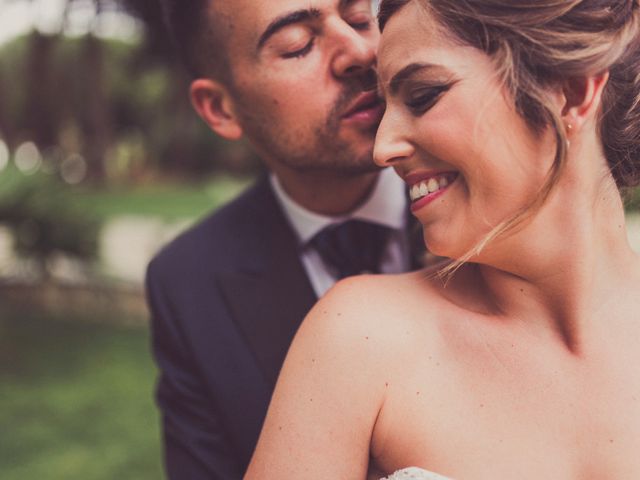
[270, 296]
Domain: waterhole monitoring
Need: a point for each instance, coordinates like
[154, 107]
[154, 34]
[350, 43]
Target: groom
[295, 77]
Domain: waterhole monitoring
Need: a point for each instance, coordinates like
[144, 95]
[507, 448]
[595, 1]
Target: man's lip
[365, 101]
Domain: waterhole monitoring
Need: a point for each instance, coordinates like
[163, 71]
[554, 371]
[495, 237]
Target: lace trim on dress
[415, 473]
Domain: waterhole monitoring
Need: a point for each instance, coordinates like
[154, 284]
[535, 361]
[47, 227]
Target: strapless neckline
[415, 473]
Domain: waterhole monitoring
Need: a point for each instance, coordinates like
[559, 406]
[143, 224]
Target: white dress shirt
[386, 205]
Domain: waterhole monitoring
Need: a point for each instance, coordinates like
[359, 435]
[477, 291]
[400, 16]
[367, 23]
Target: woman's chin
[439, 250]
[448, 246]
[439, 241]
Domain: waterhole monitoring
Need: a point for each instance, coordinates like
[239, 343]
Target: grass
[75, 400]
[168, 201]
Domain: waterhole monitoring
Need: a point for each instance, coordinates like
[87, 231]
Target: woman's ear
[215, 106]
[582, 96]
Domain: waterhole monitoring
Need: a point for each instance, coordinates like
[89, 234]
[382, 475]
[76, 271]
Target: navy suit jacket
[226, 298]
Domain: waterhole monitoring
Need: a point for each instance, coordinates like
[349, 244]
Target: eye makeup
[421, 98]
[420, 85]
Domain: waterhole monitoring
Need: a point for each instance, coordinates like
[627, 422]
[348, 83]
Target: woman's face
[452, 133]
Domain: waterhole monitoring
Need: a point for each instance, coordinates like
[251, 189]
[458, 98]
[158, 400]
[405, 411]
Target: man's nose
[391, 145]
[356, 50]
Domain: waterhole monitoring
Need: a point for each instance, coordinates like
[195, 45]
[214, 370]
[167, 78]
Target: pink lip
[367, 109]
[417, 177]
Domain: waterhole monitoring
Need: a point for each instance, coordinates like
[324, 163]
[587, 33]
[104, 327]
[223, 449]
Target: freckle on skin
[366, 338]
[386, 384]
[417, 393]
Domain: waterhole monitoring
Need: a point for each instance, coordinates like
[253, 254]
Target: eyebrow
[279, 23]
[405, 73]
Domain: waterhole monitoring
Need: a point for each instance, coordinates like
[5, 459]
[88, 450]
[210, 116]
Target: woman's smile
[425, 186]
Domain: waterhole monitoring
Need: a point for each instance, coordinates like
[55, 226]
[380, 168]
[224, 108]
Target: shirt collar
[386, 205]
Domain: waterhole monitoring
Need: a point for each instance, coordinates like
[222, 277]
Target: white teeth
[414, 192]
[426, 187]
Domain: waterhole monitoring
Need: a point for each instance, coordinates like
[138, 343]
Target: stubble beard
[316, 149]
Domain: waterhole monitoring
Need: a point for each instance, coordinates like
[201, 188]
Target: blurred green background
[102, 161]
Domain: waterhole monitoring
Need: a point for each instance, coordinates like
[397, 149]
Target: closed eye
[363, 21]
[301, 52]
[362, 26]
[358, 14]
[423, 99]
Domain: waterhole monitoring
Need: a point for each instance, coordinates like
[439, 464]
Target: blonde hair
[539, 44]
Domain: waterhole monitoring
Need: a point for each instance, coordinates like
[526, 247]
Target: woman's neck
[563, 268]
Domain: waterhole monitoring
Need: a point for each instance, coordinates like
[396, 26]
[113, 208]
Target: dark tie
[352, 247]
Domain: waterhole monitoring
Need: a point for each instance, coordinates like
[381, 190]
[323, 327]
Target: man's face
[303, 82]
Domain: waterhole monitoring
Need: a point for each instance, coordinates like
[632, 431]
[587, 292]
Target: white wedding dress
[415, 474]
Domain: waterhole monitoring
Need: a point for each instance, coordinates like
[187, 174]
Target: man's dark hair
[197, 36]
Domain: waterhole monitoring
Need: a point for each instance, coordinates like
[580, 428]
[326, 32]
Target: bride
[515, 125]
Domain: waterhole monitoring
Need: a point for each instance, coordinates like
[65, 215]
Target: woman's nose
[391, 144]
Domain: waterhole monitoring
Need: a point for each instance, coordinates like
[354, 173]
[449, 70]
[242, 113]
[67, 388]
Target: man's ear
[215, 106]
[582, 97]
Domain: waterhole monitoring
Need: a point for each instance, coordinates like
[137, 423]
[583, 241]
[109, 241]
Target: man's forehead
[243, 22]
[257, 13]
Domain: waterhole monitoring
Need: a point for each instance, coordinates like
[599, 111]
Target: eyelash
[302, 52]
[424, 101]
[307, 48]
[361, 25]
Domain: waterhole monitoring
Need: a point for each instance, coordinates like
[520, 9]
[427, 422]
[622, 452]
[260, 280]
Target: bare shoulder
[357, 337]
[372, 311]
[334, 375]
[375, 294]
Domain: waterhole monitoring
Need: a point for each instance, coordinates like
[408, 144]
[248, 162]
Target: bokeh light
[73, 169]
[28, 158]
[4, 155]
